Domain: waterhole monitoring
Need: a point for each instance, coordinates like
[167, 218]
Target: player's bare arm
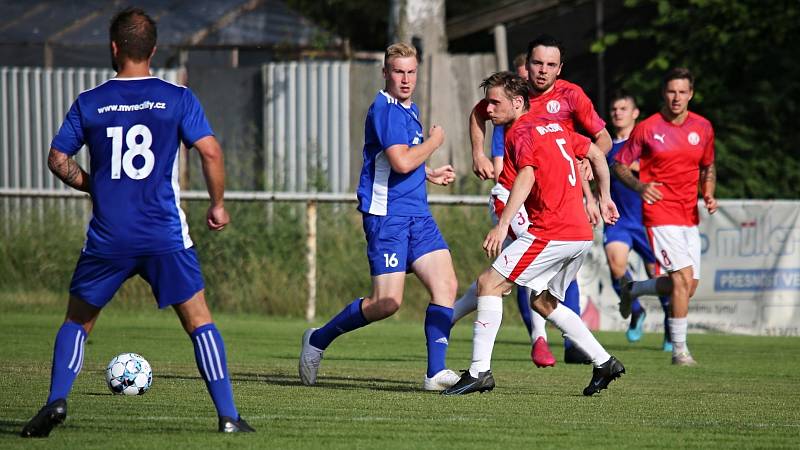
[648, 191]
[68, 171]
[405, 159]
[603, 141]
[493, 244]
[608, 209]
[214, 172]
[708, 184]
[481, 165]
[592, 211]
[441, 175]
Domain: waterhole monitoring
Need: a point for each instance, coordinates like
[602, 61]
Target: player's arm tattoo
[624, 174]
[68, 171]
[708, 174]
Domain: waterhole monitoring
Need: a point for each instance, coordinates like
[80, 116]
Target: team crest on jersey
[553, 106]
[694, 138]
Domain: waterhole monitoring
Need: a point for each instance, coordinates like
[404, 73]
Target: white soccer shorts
[497, 201]
[542, 264]
[676, 247]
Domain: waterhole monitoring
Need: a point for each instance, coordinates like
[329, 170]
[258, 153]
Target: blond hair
[399, 50]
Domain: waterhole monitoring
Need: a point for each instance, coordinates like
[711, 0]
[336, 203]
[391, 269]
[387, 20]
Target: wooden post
[311, 259]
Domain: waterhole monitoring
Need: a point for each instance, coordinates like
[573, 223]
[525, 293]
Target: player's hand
[482, 167]
[493, 244]
[436, 134]
[442, 176]
[609, 211]
[586, 169]
[711, 203]
[593, 212]
[651, 194]
[217, 218]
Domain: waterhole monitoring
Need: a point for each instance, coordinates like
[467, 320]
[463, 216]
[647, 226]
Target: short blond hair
[399, 50]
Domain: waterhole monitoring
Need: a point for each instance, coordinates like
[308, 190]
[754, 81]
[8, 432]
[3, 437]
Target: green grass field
[743, 395]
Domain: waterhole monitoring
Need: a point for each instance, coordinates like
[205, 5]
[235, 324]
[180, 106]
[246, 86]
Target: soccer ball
[129, 374]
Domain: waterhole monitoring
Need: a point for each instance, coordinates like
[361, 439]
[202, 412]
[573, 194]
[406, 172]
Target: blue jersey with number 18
[132, 128]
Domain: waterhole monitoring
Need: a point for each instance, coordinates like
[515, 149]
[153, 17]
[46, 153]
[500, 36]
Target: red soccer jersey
[555, 204]
[673, 155]
[565, 103]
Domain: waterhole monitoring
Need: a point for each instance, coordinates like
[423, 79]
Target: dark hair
[547, 41]
[135, 34]
[622, 95]
[678, 73]
[513, 85]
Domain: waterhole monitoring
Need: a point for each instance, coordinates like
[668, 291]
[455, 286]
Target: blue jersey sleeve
[498, 141]
[194, 125]
[69, 138]
[390, 126]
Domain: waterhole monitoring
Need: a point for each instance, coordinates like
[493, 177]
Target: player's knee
[388, 304]
[485, 283]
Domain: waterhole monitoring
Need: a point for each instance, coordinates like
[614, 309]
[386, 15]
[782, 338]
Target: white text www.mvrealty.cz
[147, 104]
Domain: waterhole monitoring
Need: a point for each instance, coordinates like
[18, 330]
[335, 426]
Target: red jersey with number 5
[672, 155]
[555, 204]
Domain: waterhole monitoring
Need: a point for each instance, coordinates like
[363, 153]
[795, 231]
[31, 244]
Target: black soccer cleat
[625, 296]
[46, 419]
[574, 355]
[468, 384]
[228, 425]
[603, 375]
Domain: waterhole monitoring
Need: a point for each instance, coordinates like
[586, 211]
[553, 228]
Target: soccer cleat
[634, 334]
[310, 357]
[604, 374]
[683, 359]
[541, 354]
[228, 425]
[48, 417]
[625, 297]
[574, 355]
[468, 384]
[667, 346]
[441, 381]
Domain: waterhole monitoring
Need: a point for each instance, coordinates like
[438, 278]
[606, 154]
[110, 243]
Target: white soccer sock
[677, 331]
[644, 287]
[467, 303]
[572, 327]
[538, 323]
[484, 332]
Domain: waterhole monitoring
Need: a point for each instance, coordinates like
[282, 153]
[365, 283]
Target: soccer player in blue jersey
[133, 125]
[629, 233]
[400, 232]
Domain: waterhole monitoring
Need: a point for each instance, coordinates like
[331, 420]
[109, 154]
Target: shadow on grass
[11, 427]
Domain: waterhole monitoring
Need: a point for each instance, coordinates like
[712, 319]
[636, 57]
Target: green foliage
[747, 83]
[363, 22]
[743, 395]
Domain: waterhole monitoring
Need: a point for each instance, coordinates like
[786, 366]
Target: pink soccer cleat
[541, 355]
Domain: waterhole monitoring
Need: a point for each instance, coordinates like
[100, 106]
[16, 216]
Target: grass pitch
[743, 395]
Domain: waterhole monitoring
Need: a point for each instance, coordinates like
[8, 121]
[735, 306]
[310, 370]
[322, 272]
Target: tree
[747, 82]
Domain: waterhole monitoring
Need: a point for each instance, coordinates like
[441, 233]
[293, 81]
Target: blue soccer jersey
[628, 201]
[133, 128]
[498, 141]
[381, 190]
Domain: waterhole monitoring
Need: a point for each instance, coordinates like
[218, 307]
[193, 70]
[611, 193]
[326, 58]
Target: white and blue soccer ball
[129, 374]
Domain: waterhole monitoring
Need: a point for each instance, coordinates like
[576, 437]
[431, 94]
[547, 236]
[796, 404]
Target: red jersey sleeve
[524, 150]
[632, 149]
[708, 152]
[580, 144]
[584, 114]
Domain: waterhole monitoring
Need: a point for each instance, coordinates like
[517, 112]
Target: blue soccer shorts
[633, 235]
[173, 277]
[395, 242]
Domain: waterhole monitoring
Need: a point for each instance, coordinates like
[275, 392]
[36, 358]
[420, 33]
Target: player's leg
[617, 249]
[572, 300]
[466, 303]
[665, 306]
[642, 246]
[93, 284]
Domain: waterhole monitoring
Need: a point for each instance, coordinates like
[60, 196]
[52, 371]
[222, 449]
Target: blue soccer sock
[572, 300]
[67, 360]
[523, 301]
[209, 353]
[664, 299]
[437, 334]
[349, 319]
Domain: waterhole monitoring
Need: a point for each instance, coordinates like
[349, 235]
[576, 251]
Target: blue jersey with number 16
[133, 128]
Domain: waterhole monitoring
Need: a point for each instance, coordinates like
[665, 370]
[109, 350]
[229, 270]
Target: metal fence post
[311, 259]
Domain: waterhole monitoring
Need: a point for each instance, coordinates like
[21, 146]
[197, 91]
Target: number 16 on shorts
[391, 260]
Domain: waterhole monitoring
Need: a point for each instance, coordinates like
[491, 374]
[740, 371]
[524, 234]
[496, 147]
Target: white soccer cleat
[442, 380]
[683, 359]
[310, 358]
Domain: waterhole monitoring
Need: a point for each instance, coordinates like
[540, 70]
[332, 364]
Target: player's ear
[153, 52]
[114, 49]
[635, 113]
